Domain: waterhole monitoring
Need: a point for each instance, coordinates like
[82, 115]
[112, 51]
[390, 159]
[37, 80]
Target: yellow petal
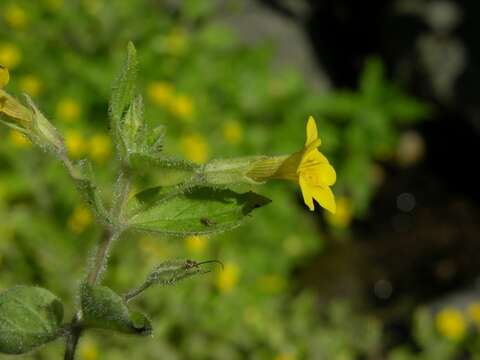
[324, 196]
[307, 195]
[312, 133]
[327, 174]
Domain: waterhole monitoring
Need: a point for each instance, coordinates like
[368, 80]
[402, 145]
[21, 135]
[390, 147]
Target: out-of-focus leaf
[29, 317]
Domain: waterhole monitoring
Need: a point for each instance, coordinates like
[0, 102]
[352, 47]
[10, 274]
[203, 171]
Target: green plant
[196, 201]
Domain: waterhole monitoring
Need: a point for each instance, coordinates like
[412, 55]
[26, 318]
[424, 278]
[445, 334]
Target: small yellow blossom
[451, 324]
[194, 147]
[160, 93]
[4, 76]
[307, 167]
[343, 216]
[232, 131]
[196, 243]
[100, 147]
[182, 107]
[176, 42]
[10, 55]
[75, 143]
[15, 16]
[31, 85]
[271, 283]
[227, 279]
[88, 351]
[68, 109]
[80, 219]
[18, 139]
[473, 311]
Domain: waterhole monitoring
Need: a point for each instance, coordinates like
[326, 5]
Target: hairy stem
[109, 235]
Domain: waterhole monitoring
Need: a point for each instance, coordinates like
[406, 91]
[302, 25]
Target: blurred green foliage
[217, 97]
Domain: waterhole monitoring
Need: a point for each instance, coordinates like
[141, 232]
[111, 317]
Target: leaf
[123, 90]
[29, 317]
[197, 210]
[123, 93]
[102, 308]
[82, 175]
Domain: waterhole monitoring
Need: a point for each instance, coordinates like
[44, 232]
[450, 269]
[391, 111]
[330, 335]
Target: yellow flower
[15, 16]
[308, 167]
[194, 147]
[232, 131]
[88, 351]
[343, 216]
[196, 243]
[68, 109]
[76, 144]
[227, 279]
[80, 219]
[31, 85]
[4, 76]
[182, 107]
[176, 42]
[160, 92]
[10, 55]
[474, 313]
[451, 324]
[18, 139]
[151, 247]
[100, 147]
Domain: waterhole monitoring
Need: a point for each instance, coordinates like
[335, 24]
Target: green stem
[109, 235]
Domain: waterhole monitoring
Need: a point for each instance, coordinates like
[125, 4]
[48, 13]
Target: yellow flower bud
[80, 219]
[160, 93]
[182, 107]
[196, 243]
[75, 143]
[15, 16]
[100, 147]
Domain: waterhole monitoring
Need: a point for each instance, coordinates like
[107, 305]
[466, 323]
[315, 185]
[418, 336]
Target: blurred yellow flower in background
[15, 16]
[232, 131]
[68, 109]
[160, 93]
[4, 76]
[343, 216]
[18, 139]
[31, 85]
[196, 244]
[176, 42]
[473, 311]
[194, 147]
[100, 147]
[76, 144]
[80, 219]
[451, 324]
[10, 55]
[182, 107]
[228, 278]
[152, 247]
[88, 350]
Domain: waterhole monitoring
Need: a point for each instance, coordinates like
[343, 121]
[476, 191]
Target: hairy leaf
[102, 308]
[29, 317]
[196, 210]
